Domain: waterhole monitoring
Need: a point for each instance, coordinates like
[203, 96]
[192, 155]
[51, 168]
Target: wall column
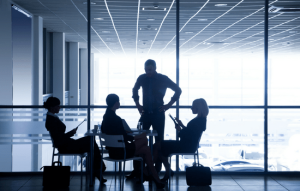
[37, 60]
[37, 82]
[84, 77]
[6, 75]
[74, 73]
[59, 66]
[92, 78]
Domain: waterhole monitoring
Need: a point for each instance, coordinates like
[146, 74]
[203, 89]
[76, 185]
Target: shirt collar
[153, 76]
[53, 115]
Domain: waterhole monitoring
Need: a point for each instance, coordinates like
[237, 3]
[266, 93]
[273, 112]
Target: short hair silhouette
[150, 62]
[202, 107]
[111, 99]
[51, 102]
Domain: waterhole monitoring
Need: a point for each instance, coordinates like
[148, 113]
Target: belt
[154, 111]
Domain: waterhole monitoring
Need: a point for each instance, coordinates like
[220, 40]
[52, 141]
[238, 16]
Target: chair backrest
[200, 137]
[116, 141]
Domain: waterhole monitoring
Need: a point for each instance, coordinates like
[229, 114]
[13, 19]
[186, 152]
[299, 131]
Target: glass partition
[283, 139]
[221, 46]
[23, 130]
[233, 140]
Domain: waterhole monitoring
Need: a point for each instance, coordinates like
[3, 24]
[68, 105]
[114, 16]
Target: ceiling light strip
[273, 40]
[245, 31]
[66, 24]
[203, 49]
[259, 40]
[260, 33]
[112, 21]
[21, 10]
[194, 15]
[283, 48]
[92, 29]
[253, 25]
[137, 28]
[184, 26]
[270, 46]
[225, 29]
[161, 26]
[212, 23]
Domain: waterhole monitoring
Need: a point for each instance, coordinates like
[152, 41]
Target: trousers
[83, 145]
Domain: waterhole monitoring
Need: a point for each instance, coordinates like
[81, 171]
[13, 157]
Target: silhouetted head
[52, 104]
[113, 101]
[200, 107]
[150, 67]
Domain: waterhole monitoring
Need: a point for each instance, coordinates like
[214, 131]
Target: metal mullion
[177, 71]
[134, 107]
[266, 38]
[89, 62]
[91, 158]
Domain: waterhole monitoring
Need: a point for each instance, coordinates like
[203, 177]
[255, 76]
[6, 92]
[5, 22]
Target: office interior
[242, 59]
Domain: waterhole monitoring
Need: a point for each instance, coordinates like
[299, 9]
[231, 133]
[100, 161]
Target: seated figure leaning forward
[63, 141]
[135, 146]
[189, 136]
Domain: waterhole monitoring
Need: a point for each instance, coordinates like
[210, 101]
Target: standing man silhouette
[154, 87]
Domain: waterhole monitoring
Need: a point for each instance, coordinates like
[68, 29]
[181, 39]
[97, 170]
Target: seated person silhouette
[189, 136]
[135, 146]
[63, 141]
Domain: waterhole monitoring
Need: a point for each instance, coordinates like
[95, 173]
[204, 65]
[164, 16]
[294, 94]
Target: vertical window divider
[91, 158]
[177, 71]
[266, 37]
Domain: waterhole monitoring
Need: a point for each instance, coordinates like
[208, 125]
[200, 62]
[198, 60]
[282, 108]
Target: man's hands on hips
[164, 107]
[140, 108]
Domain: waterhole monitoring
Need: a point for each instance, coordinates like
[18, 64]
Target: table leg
[92, 160]
[151, 148]
[151, 144]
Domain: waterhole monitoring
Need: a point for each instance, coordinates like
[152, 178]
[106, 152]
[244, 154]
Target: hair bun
[51, 102]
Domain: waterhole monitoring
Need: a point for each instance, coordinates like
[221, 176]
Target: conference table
[94, 133]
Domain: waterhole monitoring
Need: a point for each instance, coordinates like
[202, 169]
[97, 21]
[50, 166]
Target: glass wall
[221, 50]
[284, 47]
[283, 139]
[233, 140]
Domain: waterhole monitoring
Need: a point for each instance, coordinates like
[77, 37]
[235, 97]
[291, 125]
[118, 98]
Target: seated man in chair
[138, 145]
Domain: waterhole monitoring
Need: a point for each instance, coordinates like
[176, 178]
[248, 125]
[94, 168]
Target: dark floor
[219, 183]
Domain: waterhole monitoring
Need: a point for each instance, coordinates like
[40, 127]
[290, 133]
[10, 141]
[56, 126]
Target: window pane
[284, 57]
[221, 52]
[233, 140]
[24, 137]
[129, 38]
[284, 140]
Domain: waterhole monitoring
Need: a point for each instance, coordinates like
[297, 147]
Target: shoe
[132, 175]
[159, 185]
[166, 177]
[145, 178]
[97, 175]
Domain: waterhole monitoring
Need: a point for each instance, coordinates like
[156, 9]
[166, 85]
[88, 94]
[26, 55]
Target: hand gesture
[140, 108]
[177, 127]
[179, 122]
[164, 108]
[74, 131]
